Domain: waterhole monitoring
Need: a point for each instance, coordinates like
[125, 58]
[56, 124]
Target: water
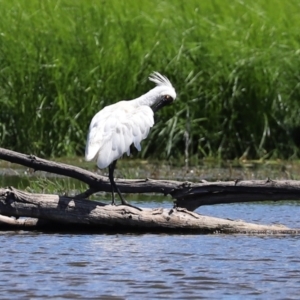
[37, 265]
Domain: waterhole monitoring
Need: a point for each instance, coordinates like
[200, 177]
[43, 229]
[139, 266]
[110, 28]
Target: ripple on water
[77, 266]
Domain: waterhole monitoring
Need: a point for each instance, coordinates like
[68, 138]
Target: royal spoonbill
[115, 127]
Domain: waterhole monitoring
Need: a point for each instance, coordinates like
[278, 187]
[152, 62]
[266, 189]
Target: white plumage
[114, 128]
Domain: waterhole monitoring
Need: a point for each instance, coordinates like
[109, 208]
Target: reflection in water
[156, 266]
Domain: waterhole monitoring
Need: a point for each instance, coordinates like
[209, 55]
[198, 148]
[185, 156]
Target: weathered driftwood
[186, 194]
[68, 213]
[12, 222]
[61, 212]
[210, 193]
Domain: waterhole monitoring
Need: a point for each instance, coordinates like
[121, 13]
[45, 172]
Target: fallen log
[185, 194]
[67, 213]
[49, 211]
[24, 223]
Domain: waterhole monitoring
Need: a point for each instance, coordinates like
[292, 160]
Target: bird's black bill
[166, 100]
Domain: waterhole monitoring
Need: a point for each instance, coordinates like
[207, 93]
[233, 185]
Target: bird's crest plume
[160, 80]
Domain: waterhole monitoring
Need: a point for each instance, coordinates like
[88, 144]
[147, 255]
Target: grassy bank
[235, 66]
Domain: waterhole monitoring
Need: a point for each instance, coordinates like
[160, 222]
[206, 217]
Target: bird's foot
[124, 202]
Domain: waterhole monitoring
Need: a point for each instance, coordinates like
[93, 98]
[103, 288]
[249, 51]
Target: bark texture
[186, 194]
[60, 212]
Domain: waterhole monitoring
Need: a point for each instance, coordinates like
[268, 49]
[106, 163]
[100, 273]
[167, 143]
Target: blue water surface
[37, 265]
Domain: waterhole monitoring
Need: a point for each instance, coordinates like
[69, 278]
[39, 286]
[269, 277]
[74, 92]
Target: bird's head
[165, 92]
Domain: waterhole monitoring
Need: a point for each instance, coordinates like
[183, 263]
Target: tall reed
[235, 66]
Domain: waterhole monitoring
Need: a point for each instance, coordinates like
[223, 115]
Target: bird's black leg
[111, 168]
[114, 187]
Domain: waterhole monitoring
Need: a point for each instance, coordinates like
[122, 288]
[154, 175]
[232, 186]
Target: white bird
[115, 127]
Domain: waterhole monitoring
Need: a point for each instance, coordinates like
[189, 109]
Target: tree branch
[186, 194]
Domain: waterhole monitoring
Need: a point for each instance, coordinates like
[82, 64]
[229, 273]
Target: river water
[39, 265]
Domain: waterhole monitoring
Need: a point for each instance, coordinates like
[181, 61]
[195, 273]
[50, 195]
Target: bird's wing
[142, 120]
[96, 136]
[112, 131]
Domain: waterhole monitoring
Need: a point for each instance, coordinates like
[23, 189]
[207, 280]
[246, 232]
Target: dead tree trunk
[60, 212]
[188, 196]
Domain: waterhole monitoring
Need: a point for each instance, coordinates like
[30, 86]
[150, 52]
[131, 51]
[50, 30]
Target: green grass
[235, 66]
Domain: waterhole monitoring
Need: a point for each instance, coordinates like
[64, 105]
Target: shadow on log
[65, 213]
[61, 212]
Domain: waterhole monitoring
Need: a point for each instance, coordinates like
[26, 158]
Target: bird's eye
[168, 98]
